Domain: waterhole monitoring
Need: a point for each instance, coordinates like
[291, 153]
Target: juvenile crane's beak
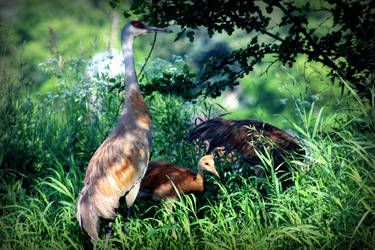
[155, 29]
[215, 172]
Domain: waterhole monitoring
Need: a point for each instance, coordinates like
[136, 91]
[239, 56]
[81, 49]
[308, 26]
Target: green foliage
[172, 78]
[62, 18]
[177, 82]
[336, 34]
[52, 29]
[15, 112]
[35, 135]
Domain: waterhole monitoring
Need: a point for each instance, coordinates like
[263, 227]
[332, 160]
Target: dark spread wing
[243, 136]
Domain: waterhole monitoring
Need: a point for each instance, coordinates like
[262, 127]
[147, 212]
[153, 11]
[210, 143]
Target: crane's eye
[138, 25]
[206, 163]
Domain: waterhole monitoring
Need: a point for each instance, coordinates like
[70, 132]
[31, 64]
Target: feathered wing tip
[87, 214]
[206, 130]
[217, 131]
[235, 134]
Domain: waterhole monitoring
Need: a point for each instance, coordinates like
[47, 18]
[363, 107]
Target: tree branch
[149, 54]
[326, 60]
[271, 35]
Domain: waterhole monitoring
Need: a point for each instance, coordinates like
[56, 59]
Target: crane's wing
[243, 136]
[113, 170]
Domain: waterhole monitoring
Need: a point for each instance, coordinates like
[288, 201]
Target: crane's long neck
[200, 178]
[130, 74]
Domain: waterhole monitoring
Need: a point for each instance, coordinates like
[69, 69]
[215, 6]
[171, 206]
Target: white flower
[315, 97]
[283, 100]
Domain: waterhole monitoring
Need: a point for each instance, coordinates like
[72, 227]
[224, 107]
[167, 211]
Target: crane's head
[136, 28]
[207, 163]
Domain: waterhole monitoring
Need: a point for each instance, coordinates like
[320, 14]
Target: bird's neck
[200, 178]
[130, 74]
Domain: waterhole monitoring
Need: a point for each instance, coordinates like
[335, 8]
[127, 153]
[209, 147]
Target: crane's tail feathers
[90, 206]
[87, 214]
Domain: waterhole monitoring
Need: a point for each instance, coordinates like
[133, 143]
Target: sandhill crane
[120, 162]
[157, 182]
[162, 179]
[243, 136]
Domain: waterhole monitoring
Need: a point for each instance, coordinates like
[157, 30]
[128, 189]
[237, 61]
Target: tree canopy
[338, 34]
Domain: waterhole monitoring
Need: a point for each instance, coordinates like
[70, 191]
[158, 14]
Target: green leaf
[190, 35]
[126, 14]
[113, 3]
[185, 69]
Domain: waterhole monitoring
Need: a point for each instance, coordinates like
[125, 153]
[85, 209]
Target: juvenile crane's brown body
[118, 165]
[244, 136]
[162, 179]
[157, 182]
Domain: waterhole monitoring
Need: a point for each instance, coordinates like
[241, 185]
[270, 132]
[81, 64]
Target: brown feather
[242, 136]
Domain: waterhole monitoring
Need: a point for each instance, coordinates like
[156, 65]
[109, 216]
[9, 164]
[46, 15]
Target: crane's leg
[128, 214]
[132, 194]
[109, 232]
[130, 198]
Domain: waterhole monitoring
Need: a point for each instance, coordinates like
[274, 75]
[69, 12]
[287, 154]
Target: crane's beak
[215, 172]
[155, 29]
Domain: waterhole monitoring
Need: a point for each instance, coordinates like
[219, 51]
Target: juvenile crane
[162, 179]
[157, 182]
[120, 162]
[244, 136]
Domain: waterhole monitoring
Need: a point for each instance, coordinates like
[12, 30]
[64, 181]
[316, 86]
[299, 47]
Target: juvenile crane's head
[136, 28]
[207, 163]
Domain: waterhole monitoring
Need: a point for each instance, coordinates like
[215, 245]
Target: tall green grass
[45, 148]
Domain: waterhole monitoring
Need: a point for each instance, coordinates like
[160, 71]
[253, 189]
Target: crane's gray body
[120, 162]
